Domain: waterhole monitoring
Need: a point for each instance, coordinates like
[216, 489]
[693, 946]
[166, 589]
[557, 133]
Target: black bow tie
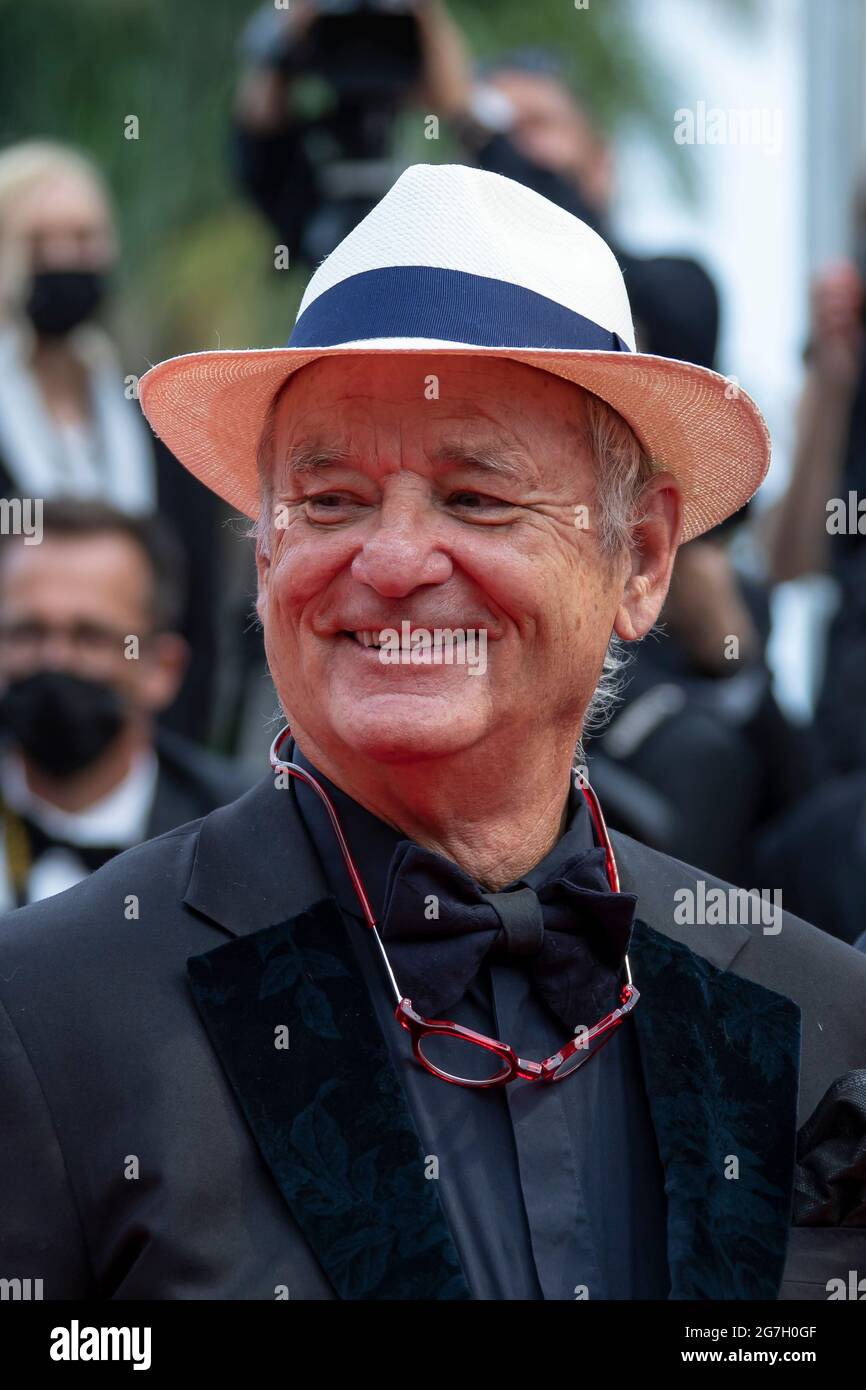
[572, 932]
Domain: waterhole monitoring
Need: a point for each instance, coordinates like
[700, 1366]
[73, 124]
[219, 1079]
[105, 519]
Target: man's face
[456, 512]
[70, 603]
[553, 132]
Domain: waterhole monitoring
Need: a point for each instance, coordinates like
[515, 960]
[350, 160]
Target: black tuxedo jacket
[156, 1143]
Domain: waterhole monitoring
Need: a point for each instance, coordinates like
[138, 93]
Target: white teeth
[368, 639]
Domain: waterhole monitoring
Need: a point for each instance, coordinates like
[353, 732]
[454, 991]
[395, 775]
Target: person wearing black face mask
[67, 424]
[61, 721]
[60, 300]
[87, 659]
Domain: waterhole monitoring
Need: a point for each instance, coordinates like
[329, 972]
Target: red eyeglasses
[448, 1050]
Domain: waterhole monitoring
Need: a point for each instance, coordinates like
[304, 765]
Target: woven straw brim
[209, 408]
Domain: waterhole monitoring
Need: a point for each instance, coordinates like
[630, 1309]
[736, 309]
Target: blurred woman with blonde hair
[70, 424]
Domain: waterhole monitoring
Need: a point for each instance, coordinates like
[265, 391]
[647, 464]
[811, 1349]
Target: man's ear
[263, 573]
[656, 539]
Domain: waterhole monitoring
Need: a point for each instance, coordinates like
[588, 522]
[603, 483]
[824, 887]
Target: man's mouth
[422, 647]
[372, 637]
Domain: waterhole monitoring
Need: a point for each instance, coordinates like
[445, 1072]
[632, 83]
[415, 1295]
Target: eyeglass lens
[460, 1060]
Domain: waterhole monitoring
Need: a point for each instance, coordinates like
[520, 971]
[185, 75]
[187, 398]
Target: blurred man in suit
[89, 655]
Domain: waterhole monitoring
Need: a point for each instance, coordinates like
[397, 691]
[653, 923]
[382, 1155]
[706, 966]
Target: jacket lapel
[288, 1012]
[720, 1056]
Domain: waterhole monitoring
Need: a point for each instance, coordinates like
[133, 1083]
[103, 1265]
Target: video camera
[357, 46]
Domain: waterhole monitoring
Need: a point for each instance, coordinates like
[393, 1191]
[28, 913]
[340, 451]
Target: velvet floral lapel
[721, 1061]
[295, 1030]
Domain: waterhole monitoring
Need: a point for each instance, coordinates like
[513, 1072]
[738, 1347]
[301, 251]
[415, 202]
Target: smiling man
[405, 1022]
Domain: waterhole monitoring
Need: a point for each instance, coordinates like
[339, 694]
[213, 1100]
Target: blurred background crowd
[170, 175]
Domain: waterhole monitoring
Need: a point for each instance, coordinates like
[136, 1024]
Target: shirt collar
[118, 818]
[372, 841]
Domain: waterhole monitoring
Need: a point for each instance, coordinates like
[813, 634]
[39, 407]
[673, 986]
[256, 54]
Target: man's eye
[330, 502]
[476, 501]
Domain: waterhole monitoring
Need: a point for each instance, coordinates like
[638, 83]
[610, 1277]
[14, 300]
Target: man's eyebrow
[314, 456]
[503, 459]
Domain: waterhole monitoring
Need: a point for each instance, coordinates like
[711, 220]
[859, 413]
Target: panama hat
[458, 261]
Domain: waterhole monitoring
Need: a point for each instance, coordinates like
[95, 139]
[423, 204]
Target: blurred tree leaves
[197, 266]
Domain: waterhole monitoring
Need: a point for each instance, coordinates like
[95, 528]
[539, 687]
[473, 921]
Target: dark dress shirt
[550, 1191]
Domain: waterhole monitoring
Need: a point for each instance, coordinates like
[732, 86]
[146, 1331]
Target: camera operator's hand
[447, 68]
[837, 327]
[261, 101]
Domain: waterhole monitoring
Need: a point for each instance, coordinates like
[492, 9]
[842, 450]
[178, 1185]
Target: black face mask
[62, 299]
[60, 721]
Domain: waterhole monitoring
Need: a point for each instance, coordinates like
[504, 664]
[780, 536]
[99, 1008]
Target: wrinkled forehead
[498, 418]
[486, 396]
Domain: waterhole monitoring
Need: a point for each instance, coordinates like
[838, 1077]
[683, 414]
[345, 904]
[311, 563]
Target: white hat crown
[470, 226]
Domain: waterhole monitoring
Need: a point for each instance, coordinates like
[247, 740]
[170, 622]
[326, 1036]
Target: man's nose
[404, 551]
[58, 650]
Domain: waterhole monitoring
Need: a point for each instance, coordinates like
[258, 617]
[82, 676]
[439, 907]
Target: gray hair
[623, 469]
